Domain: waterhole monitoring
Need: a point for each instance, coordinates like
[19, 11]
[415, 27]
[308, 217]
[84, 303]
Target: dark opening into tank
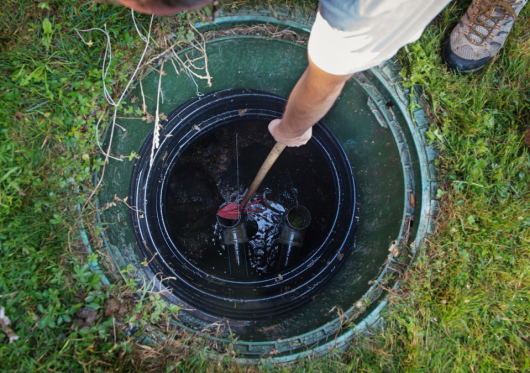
[206, 177]
[298, 227]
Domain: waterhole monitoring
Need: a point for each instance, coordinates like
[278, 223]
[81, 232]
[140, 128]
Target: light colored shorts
[382, 28]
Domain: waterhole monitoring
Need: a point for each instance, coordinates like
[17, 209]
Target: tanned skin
[312, 97]
[153, 7]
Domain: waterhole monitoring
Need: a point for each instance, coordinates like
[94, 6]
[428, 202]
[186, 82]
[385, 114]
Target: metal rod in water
[237, 173]
[293, 190]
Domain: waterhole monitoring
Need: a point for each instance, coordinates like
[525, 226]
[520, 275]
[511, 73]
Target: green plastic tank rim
[374, 313]
[388, 75]
[94, 265]
[330, 328]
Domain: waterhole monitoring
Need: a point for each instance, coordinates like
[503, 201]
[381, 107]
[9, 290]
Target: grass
[51, 97]
[463, 305]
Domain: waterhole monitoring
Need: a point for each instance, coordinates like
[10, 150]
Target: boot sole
[450, 58]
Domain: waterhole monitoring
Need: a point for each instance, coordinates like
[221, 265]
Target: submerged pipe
[235, 240]
[294, 223]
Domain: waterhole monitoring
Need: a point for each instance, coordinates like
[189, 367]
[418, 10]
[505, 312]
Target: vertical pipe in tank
[294, 223]
[235, 240]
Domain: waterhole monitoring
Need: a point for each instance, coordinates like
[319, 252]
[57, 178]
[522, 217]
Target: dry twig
[4, 322]
[156, 131]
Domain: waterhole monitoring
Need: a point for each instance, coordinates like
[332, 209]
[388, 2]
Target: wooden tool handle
[265, 167]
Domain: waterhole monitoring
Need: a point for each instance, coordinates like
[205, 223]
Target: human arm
[164, 7]
[310, 100]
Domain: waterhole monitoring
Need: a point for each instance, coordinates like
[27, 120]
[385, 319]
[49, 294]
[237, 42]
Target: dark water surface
[206, 178]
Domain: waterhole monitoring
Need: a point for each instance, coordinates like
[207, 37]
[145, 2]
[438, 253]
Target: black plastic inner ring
[215, 293]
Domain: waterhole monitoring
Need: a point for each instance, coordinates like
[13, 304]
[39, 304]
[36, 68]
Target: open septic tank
[366, 179]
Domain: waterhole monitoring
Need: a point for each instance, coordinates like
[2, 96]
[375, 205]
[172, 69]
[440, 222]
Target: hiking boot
[480, 34]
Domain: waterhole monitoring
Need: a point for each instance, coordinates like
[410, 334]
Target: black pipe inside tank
[235, 239]
[292, 236]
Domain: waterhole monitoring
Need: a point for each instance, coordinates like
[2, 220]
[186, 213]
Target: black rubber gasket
[257, 299]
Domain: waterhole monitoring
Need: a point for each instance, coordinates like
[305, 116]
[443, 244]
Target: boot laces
[488, 16]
